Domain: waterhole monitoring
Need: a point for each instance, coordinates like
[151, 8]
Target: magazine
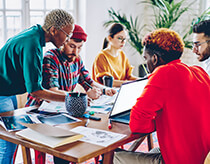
[13, 123]
[57, 119]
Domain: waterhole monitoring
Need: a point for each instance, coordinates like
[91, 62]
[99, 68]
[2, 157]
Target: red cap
[79, 33]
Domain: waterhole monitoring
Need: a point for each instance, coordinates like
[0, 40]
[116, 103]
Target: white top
[207, 65]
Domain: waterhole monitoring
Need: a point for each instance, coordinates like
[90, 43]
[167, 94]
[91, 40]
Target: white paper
[100, 109]
[104, 100]
[53, 106]
[98, 137]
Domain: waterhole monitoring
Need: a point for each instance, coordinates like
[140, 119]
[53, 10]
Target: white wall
[93, 14]
[96, 15]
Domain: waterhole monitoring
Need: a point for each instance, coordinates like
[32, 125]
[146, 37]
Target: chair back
[207, 159]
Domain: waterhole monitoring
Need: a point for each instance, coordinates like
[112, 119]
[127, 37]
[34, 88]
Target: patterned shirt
[59, 72]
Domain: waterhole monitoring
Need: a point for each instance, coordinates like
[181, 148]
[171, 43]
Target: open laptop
[126, 99]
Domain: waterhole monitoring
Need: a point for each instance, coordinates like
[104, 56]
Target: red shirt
[176, 103]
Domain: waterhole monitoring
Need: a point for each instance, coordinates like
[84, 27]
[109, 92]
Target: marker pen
[110, 124]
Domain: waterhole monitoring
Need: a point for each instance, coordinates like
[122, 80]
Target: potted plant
[167, 13]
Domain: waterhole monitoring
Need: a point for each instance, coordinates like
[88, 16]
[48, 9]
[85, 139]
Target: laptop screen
[127, 96]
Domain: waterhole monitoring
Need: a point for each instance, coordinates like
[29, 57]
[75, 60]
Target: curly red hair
[166, 39]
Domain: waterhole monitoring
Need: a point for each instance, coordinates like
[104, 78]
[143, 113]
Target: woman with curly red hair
[175, 103]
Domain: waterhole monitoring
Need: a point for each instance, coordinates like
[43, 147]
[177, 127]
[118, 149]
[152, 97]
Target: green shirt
[21, 62]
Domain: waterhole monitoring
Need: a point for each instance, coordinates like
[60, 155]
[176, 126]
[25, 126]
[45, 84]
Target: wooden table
[75, 152]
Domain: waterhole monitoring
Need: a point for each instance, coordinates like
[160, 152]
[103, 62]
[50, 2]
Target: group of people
[174, 102]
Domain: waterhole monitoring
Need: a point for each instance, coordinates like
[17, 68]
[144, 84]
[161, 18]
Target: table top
[78, 151]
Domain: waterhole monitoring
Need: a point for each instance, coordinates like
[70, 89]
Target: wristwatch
[104, 91]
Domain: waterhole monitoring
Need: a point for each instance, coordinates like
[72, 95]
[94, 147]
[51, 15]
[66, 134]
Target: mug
[76, 104]
[107, 81]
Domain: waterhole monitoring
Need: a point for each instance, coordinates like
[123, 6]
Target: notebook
[126, 99]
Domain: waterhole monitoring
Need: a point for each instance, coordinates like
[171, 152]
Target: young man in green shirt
[21, 65]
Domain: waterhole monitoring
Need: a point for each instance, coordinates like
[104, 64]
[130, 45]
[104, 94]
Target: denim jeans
[7, 149]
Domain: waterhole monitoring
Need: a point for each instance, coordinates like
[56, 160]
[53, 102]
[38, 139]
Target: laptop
[126, 99]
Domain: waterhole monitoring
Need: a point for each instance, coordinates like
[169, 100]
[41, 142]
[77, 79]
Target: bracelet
[104, 91]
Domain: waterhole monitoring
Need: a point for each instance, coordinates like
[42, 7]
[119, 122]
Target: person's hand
[110, 91]
[94, 93]
[90, 101]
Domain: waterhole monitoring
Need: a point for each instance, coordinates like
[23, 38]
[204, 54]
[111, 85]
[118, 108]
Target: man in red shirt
[175, 103]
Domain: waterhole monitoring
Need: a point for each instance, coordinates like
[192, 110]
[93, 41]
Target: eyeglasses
[68, 36]
[121, 39]
[197, 44]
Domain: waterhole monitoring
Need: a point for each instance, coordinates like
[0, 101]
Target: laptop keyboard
[125, 117]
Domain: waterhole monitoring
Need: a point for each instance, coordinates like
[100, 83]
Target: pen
[110, 124]
[91, 117]
[88, 85]
[87, 122]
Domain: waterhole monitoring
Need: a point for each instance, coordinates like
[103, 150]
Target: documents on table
[48, 135]
[12, 123]
[98, 137]
[100, 109]
[103, 104]
[57, 119]
[53, 106]
[104, 100]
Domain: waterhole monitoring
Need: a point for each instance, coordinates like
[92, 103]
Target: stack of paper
[48, 135]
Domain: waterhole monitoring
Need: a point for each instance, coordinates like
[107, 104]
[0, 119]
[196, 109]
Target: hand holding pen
[93, 92]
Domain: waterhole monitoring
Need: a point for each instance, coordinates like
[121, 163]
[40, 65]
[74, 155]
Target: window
[16, 15]
[207, 4]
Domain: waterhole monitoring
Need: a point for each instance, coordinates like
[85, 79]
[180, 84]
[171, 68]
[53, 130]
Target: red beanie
[79, 33]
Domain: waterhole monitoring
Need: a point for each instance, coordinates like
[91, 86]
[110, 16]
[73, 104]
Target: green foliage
[166, 13]
[131, 25]
[203, 16]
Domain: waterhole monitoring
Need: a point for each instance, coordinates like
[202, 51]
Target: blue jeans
[7, 149]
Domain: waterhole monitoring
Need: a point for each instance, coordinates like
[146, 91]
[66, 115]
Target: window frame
[25, 15]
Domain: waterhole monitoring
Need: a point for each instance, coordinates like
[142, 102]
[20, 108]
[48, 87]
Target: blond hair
[58, 18]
